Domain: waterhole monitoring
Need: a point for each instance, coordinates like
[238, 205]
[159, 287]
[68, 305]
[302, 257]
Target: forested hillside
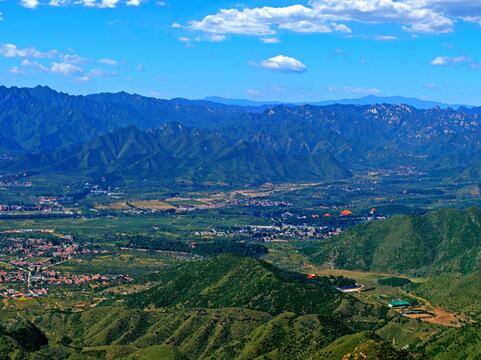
[446, 240]
[131, 136]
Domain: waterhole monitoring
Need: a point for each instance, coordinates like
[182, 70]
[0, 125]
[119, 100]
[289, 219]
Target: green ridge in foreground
[224, 308]
[231, 281]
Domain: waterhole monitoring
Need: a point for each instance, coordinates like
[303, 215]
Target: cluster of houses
[25, 248]
[14, 180]
[46, 277]
[45, 208]
[30, 260]
[301, 232]
[37, 283]
[15, 276]
[15, 183]
[15, 294]
[264, 202]
[59, 279]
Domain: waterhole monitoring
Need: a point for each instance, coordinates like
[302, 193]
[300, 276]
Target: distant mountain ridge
[366, 100]
[132, 135]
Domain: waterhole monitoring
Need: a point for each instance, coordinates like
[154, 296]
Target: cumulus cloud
[65, 68]
[74, 59]
[263, 21]
[29, 67]
[284, 64]
[326, 16]
[466, 10]
[11, 50]
[34, 61]
[106, 4]
[30, 4]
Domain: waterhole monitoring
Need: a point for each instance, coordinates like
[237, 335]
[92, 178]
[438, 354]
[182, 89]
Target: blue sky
[262, 50]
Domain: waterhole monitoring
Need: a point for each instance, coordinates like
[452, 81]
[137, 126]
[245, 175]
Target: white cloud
[283, 63]
[446, 60]
[95, 73]
[216, 38]
[385, 37]
[466, 10]
[414, 15]
[133, 2]
[342, 28]
[11, 50]
[34, 61]
[106, 4]
[65, 68]
[270, 40]
[354, 90]
[74, 59]
[58, 2]
[253, 93]
[262, 21]
[88, 3]
[107, 61]
[29, 67]
[30, 4]
[325, 16]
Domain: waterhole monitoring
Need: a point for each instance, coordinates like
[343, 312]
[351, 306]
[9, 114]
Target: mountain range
[365, 100]
[130, 136]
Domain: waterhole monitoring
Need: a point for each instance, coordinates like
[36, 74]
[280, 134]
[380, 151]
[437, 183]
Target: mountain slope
[177, 152]
[227, 333]
[228, 143]
[231, 281]
[223, 308]
[443, 240]
[41, 119]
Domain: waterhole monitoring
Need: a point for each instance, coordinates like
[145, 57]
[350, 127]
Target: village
[28, 258]
[41, 205]
[15, 180]
[296, 227]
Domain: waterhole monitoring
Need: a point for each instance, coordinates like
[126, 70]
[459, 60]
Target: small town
[28, 258]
